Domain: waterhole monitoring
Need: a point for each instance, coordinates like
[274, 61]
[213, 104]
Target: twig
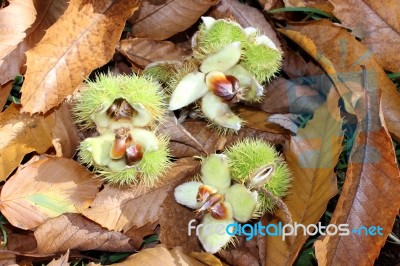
[278, 202]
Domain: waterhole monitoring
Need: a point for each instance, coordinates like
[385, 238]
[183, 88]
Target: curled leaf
[21, 134]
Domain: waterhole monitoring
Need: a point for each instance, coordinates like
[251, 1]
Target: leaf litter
[61, 204]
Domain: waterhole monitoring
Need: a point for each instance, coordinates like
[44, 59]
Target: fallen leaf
[64, 131]
[246, 16]
[293, 64]
[318, 79]
[258, 120]
[242, 254]
[15, 19]
[377, 24]
[284, 96]
[270, 4]
[122, 68]
[80, 41]
[176, 132]
[75, 232]
[23, 242]
[160, 255]
[207, 258]
[4, 93]
[21, 134]
[285, 121]
[341, 60]
[159, 20]
[121, 209]
[62, 261]
[142, 52]
[311, 156]
[8, 259]
[48, 11]
[319, 4]
[137, 235]
[174, 221]
[212, 141]
[262, 241]
[45, 189]
[371, 191]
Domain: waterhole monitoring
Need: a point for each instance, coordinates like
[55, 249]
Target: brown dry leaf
[319, 4]
[270, 4]
[80, 41]
[341, 60]
[48, 11]
[15, 19]
[75, 232]
[4, 93]
[160, 255]
[285, 121]
[258, 120]
[45, 189]
[174, 220]
[161, 19]
[142, 52]
[377, 24]
[242, 254]
[284, 96]
[312, 155]
[62, 261]
[371, 192]
[246, 16]
[120, 209]
[23, 242]
[293, 64]
[21, 134]
[64, 131]
[211, 141]
[8, 259]
[172, 128]
[137, 235]
[207, 258]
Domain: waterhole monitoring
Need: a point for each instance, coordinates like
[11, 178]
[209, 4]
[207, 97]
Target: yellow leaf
[45, 189]
[4, 93]
[312, 155]
[21, 134]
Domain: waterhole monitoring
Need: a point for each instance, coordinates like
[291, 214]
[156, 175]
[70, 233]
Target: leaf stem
[278, 202]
